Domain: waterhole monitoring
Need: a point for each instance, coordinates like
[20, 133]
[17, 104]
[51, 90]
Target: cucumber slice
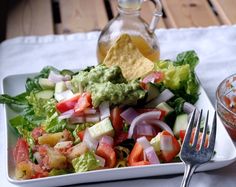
[66, 72]
[181, 123]
[46, 84]
[45, 94]
[60, 87]
[165, 107]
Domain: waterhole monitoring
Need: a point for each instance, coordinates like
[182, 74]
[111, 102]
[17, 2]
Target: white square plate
[225, 150]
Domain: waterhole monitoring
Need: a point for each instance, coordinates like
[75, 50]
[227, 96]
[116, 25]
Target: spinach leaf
[19, 122]
[17, 100]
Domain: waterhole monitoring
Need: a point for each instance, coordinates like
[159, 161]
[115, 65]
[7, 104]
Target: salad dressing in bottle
[128, 21]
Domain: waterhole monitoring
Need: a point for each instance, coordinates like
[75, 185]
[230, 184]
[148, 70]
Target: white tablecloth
[216, 47]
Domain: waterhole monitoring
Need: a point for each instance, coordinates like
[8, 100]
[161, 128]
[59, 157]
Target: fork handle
[188, 172]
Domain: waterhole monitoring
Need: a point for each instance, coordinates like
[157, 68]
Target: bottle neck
[129, 7]
[128, 11]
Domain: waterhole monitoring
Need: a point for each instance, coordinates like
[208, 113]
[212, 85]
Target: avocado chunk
[165, 107]
[181, 123]
[46, 84]
[155, 143]
[101, 128]
[45, 94]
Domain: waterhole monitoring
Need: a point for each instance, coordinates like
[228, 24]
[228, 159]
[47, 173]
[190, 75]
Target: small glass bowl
[226, 104]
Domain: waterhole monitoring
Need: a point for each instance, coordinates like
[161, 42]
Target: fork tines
[196, 131]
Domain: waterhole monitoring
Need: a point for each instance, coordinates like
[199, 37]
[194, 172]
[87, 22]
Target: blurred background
[43, 17]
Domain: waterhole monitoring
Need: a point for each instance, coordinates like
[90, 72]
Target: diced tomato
[84, 102]
[141, 135]
[168, 156]
[67, 135]
[227, 101]
[143, 85]
[116, 119]
[81, 135]
[144, 110]
[141, 163]
[21, 151]
[182, 135]
[108, 153]
[37, 132]
[38, 172]
[42, 149]
[120, 137]
[68, 104]
[156, 77]
[136, 156]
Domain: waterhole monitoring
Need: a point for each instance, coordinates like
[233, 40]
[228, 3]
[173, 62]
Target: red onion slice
[143, 117]
[104, 110]
[92, 118]
[163, 97]
[143, 142]
[63, 145]
[144, 129]
[107, 140]
[166, 143]
[66, 114]
[101, 160]
[151, 155]
[90, 141]
[54, 77]
[77, 119]
[129, 114]
[188, 107]
[90, 111]
[161, 124]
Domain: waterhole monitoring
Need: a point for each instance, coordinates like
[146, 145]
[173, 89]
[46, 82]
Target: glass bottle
[129, 21]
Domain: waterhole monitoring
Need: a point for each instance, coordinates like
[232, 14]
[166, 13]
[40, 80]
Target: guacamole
[108, 84]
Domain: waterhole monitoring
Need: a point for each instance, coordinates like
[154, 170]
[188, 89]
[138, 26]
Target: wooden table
[43, 17]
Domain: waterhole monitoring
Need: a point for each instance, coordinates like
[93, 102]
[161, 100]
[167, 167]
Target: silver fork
[190, 154]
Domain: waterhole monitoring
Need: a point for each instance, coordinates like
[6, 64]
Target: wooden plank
[147, 11]
[30, 17]
[226, 10]
[189, 13]
[82, 16]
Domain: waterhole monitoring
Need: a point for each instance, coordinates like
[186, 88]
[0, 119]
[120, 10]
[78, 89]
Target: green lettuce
[32, 84]
[86, 162]
[55, 172]
[179, 75]
[52, 124]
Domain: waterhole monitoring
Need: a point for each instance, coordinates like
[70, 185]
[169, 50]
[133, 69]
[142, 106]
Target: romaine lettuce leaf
[179, 75]
[187, 57]
[55, 172]
[52, 124]
[86, 162]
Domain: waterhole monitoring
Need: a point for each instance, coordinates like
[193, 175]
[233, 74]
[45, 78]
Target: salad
[96, 119]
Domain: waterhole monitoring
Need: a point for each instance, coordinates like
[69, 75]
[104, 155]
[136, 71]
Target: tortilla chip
[131, 61]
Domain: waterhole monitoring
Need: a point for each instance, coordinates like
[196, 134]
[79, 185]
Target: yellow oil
[139, 42]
